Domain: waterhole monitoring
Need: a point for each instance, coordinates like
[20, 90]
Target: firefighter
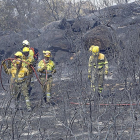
[19, 74]
[12, 63]
[46, 68]
[33, 52]
[97, 69]
[28, 61]
[26, 43]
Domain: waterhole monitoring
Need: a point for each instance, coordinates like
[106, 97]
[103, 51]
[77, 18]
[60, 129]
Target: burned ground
[75, 114]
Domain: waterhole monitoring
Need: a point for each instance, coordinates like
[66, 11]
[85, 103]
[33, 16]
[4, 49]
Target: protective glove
[106, 72]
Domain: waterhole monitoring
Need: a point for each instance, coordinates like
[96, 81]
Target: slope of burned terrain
[76, 113]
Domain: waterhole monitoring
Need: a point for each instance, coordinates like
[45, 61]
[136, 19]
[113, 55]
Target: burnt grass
[74, 113]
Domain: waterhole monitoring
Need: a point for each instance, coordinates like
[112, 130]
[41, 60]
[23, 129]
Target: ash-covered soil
[74, 113]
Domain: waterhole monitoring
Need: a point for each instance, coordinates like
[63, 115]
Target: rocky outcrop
[109, 26]
[100, 36]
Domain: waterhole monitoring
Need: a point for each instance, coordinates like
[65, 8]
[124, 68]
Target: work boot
[48, 97]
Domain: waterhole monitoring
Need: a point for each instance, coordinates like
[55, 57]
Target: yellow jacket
[43, 66]
[100, 62]
[31, 53]
[20, 76]
[30, 61]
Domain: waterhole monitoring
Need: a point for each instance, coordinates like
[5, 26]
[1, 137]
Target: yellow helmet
[25, 43]
[95, 49]
[47, 53]
[25, 49]
[19, 54]
[18, 61]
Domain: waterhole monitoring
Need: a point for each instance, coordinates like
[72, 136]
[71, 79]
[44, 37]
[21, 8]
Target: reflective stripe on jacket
[21, 75]
[31, 53]
[101, 62]
[43, 66]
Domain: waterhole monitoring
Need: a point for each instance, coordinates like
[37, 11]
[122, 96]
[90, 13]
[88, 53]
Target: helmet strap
[46, 61]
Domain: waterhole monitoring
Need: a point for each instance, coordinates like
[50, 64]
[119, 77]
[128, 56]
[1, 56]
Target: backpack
[36, 52]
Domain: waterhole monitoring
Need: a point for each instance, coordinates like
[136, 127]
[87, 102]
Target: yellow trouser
[29, 77]
[11, 84]
[46, 86]
[97, 79]
[19, 88]
[29, 80]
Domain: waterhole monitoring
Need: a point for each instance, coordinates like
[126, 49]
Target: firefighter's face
[19, 66]
[26, 53]
[47, 58]
[16, 57]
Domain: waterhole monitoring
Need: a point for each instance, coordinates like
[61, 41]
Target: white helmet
[25, 43]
